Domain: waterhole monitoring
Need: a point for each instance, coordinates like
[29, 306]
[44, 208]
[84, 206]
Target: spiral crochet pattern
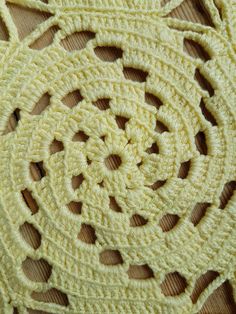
[139, 142]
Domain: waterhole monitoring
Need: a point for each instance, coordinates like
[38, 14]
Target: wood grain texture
[221, 301]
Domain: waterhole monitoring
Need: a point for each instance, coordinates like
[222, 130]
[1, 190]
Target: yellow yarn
[149, 149]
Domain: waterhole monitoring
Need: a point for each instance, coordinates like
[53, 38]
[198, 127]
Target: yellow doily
[115, 154]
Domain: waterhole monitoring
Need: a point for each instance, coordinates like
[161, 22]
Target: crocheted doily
[121, 145]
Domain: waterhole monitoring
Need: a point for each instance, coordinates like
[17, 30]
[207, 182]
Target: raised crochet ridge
[139, 142]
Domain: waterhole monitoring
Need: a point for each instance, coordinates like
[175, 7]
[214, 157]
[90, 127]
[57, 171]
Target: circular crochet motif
[122, 167]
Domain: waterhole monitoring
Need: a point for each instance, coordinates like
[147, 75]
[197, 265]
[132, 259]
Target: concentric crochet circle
[116, 147]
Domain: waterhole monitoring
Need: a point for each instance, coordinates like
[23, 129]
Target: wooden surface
[221, 301]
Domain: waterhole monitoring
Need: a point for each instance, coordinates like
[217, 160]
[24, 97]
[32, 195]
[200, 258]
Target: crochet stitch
[140, 141]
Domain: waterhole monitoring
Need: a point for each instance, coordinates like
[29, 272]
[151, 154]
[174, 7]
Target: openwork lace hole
[37, 170]
[113, 162]
[202, 283]
[88, 161]
[87, 234]
[140, 272]
[36, 270]
[137, 221]
[12, 121]
[195, 50]
[204, 83]
[173, 284]
[103, 138]
[102, 104]
[51, 296]
[207, 114]
[110, 257]
[42, 104]
[153, 149]
[153, 100]
[108, 54]
[75, 207]
[225, 293]
[168, 222]
[56, 146]
[77, 181]
[77, 40]
[72, 99]
[136, 75]
[17, 114]
[80, 137]
[184, 169]
[161, 127]
[158, 184]
[227, 193]
[200, 141]
[32, 18]
[30, 201]
[31, 235]
[114, 205]
[198, 13]
[121, 122]
[198, 212]
[45, 39]
[4, 35]
[101, 184]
